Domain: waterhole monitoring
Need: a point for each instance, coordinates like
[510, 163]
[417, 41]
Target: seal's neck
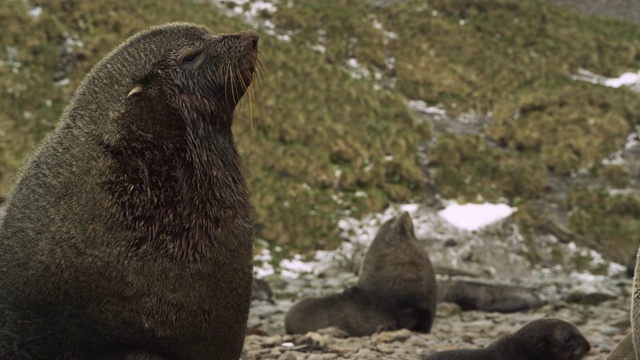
[179, 192]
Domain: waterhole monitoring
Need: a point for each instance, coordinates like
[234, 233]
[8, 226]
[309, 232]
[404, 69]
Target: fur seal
[129, 234]
[396, 289]
[397, 268]
[475, 295]
[624, 350]
[356, 311]
[548, 339]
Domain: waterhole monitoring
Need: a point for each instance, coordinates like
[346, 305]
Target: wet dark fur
[471, 295]
[129, 233]
[397, 269]
[542, 339]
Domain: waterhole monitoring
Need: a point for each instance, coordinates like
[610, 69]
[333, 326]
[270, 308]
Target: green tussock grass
[505, 57]
[606, 219]
[319, 144]
[306, 120]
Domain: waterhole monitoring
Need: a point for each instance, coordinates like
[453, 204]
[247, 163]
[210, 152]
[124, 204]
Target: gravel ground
[603, 324]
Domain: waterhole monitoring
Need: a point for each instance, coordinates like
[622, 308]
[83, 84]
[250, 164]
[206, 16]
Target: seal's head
[554, 339]
[178, 71]
[201, 74]
[160, 108]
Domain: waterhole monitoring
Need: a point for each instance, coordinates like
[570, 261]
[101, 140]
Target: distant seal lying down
[474, 295]
[542, 339]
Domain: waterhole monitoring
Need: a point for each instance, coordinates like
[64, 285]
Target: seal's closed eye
[191, 56]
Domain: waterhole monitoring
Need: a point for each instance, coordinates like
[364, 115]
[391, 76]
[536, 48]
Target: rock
[391, 336]
[590, 294]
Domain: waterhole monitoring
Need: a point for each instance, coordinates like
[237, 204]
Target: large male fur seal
[542, 339]
[129, 233]
[397, 268]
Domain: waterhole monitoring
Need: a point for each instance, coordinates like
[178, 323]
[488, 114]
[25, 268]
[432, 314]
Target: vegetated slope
[328, 131]
[513, 60]
[306, 121]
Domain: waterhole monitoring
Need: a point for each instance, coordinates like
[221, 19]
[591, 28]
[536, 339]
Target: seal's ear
[135, 91]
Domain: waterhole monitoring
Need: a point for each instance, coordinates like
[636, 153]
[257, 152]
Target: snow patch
[292, 268]
[475, 216]
[421, 106]
[35, 12]
[626, 79]
[631, 80]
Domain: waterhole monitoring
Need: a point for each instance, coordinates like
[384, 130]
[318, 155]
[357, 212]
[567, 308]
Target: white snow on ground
[35, 11]
[359, 233]
[631, 80]
[474, 216]
[421, 106]
[263, 266]
[254, 8]
[452, 223]
[626, 79]
[252, 13]
[293, 267]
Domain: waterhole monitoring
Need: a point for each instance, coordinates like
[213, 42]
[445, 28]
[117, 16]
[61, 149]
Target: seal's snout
[252, 38]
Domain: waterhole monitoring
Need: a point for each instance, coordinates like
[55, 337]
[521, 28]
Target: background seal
[549, 339]
[398, 270]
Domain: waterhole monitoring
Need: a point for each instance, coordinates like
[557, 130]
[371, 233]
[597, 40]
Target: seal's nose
[252, 36]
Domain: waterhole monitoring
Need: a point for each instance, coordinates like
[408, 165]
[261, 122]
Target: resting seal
[129, 233]
[356, 311]
[473, 295]
[542, 339]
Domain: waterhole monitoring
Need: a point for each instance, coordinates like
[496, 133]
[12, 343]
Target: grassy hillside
[308, 122]
[319, 143]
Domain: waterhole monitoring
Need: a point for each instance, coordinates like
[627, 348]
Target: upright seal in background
[398, 270]
[396, 289]
[129, 232]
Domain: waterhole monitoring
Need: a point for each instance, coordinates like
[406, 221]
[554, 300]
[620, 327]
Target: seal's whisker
[232, 85]
[225, 77]
[250, 97]
[234, 76]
